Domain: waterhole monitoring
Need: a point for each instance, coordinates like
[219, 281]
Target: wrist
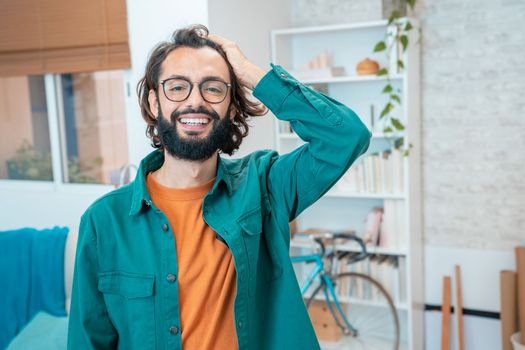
[253, 76]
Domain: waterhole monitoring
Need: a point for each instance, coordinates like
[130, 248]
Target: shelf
[342, 206]
[350, 79]
[350, 300]
[376, 135]
[342, 194]
[347, 247]
[328, 28]
[382, 135]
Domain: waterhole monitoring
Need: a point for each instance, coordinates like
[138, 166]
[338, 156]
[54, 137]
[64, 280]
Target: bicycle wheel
[368, 308]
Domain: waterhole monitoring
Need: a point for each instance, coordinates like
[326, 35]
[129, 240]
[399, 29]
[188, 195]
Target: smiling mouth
[194, 119]
[194, 122]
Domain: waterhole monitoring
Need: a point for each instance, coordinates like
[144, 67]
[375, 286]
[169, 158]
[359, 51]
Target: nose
[195, 98]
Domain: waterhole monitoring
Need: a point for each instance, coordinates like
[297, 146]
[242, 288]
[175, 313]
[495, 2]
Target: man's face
[179, 123]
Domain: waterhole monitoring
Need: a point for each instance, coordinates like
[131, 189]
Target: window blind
[62, 36]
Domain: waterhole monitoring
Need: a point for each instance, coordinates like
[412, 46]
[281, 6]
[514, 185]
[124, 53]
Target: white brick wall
[318, 12]
[473, 100]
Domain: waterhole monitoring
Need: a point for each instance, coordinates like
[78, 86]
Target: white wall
[150, 22]
[41, 205]
[249, 23]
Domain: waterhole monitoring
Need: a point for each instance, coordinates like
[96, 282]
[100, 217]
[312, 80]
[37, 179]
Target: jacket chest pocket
[264, 264]
[130, 302]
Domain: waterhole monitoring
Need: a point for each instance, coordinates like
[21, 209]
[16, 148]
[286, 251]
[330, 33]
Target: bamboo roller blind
[62, 36]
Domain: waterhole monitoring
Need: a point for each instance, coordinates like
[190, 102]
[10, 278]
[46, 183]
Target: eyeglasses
[179, 89]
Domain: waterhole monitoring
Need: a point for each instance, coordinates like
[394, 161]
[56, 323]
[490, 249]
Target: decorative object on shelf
[397, 40]
[388, 6]
[323, 60]
[367, 67]
[373, 227]
[319, 67]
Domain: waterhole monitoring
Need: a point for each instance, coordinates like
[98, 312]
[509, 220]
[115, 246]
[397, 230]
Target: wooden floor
[350, 343]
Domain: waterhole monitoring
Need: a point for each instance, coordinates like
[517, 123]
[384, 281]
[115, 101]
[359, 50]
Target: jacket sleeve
[335, 137]
[89, 323]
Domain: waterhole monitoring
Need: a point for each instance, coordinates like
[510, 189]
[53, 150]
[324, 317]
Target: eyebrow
[208, 77]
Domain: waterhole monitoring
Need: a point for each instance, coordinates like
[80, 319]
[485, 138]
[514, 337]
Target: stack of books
[376, 173]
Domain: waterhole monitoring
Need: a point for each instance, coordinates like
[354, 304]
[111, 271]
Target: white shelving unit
[343, 209]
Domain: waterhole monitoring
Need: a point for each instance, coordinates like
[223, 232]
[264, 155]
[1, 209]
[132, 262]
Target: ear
[153, 103]
[233, 111]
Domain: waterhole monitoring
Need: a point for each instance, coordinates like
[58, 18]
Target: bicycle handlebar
[318, 238]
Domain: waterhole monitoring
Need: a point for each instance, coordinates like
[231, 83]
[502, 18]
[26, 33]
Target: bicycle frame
[325, 278]
[319, 265]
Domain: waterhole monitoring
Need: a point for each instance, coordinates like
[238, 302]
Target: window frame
[56, 129]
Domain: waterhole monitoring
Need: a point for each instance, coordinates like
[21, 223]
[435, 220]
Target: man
[194, 253]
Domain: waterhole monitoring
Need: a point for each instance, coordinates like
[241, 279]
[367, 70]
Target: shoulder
[114, 202]
[260, 159]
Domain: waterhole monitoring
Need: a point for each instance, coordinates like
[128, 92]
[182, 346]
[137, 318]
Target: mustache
[201, 110]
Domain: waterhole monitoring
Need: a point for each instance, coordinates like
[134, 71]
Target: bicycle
[377, 329]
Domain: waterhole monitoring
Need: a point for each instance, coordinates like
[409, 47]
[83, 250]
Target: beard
[192, 147]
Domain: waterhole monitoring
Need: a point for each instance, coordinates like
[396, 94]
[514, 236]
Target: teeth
[194, 121]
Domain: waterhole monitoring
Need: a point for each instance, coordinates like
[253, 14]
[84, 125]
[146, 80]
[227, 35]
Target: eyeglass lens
[213, 91]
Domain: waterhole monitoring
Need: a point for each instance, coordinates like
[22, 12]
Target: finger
[218, 39]
[221, 40]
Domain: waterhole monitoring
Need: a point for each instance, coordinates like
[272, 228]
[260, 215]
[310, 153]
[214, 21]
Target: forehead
[195, 64]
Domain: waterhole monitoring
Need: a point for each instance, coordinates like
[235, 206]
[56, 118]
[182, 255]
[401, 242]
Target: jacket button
[171, 278]
[174, 330]
[240, 324]
[165, 227]
[283, 75]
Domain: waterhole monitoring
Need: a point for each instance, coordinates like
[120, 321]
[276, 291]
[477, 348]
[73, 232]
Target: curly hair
[195, 36]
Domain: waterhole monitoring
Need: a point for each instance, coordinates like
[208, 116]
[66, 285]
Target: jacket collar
[154, 161]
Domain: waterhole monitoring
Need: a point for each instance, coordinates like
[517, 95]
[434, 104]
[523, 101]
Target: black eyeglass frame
[192, 83]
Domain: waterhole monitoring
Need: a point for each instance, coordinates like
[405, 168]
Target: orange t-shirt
[206, 274]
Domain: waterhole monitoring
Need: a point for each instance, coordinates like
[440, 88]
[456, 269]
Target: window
[25, 152]
[82, 114]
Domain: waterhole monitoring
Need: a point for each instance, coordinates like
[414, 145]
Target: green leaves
[382, 71]
[388, 107]
[395, 38]
[380, 46]
[396, 98]
[393, 16]
[397, 124]
[404, 41]
[388, 89]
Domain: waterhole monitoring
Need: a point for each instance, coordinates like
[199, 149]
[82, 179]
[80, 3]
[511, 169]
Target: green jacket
[121, 297]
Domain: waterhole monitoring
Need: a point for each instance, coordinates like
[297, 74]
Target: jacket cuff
[274, 87]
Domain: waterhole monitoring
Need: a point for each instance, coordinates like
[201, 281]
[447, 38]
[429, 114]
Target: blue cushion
[44, 332]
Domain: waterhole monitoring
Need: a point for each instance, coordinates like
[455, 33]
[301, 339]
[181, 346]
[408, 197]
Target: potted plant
[29, 163]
